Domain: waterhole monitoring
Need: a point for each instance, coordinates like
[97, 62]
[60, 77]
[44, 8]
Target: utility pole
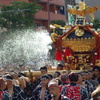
[48, 16]
[65, 8]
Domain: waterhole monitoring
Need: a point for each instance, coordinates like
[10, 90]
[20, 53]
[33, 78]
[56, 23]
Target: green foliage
[59, 22]
[96, 23]
[18, 19]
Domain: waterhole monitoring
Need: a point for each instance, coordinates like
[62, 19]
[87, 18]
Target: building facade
[51, 10]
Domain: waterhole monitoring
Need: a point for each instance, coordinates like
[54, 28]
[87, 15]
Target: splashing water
[27, 45]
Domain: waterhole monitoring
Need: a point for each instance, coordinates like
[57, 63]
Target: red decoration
[68, 52]
[58, 55]
[98, 54]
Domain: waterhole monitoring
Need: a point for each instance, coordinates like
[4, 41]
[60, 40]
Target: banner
[70, 16]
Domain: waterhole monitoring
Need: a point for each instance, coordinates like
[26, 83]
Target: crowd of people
[81, 85]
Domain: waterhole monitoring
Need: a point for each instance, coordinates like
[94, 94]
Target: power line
[13, 10]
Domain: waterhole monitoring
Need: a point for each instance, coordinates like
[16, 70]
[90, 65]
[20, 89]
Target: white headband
[7, 79]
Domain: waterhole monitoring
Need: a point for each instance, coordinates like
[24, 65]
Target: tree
[96, 23]
[18, 14]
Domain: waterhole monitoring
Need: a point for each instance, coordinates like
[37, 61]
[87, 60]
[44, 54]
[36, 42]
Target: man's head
[96, 71]
[64, 78]
[53, 87]
[44, 80]
[56, 74]
[9, 79]
[43, 70]
[79, 77]
[50, 76]
[14, 75]
[73, 77]
[2, 71]
[3, 83]
[90, 74]
[22, 67]
[60, 67]
[83, 75]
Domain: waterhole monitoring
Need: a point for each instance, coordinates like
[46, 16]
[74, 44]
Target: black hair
[60, 65]
[73, 77]
[21, 74]
[43, 68]
[11, 70]
[45, 76]
[96, 67]
[14, 74]
[6, 73]
[20, 65]
[89, 71]
[8, 77]
[50, 76]
[63, 77]
[83, 72]
[58, 73]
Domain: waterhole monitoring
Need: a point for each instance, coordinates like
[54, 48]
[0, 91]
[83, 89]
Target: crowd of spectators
[81, 85]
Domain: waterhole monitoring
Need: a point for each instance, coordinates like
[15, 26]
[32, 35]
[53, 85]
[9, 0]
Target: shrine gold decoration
[80, 44]
[79, 32]
[54, 36]
[83, 10]
[59, 26]
[98, 62]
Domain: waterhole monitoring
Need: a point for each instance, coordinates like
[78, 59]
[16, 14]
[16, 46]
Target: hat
[53, 83]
